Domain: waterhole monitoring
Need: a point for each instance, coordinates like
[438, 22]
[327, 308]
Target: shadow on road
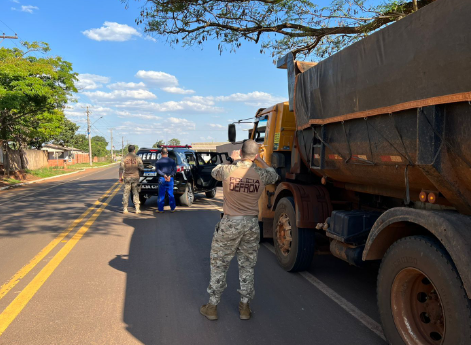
[167, 269]
[166, 276]
[51, 210]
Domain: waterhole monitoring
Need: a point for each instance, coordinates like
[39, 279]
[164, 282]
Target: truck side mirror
[231, 132]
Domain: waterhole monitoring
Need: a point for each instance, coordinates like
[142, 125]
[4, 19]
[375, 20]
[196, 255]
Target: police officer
[129, 172]
[238, 231]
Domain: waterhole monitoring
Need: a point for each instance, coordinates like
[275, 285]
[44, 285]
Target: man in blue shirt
[166, 169]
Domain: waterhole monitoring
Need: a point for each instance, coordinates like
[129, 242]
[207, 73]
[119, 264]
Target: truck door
[205, 163]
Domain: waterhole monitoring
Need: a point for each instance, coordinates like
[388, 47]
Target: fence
[78, 158]
[34, 159]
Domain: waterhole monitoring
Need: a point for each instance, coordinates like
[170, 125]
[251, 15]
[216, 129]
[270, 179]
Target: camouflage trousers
[130, 183]
[234, 236]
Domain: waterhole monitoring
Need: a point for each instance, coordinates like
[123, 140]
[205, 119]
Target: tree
[280, 26]
[67, 136]
[99, 144]
[158, 143]
[81, 142]
[33, 93]
[174, 142]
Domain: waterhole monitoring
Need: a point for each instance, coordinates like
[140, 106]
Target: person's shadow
[164, 288]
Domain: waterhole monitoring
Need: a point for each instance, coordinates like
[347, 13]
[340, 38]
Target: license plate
[150, 173]
[149, 186]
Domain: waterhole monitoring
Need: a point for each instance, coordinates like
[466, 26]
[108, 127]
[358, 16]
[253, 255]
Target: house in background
[60, 155]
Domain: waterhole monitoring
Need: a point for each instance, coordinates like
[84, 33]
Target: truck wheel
[421, 298]
[294, 247]
[187, 198]
[211, 194]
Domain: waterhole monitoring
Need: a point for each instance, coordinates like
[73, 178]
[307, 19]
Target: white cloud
[255, 98]
[214, 125]
[166, 82]
[91, 81]
[157, 78]
[76, 111]
[178, 90]
[119, 95]
[169, 125]
[111, 31]
[171, 106]
[126, 86]
[181, 122]
[15, 1]
[127, 114]
[29, 8]
[201, 99]
[208, 138]
[150, 38]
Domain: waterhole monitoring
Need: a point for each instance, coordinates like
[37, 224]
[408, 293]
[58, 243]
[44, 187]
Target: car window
[209, 159]
[190, 159]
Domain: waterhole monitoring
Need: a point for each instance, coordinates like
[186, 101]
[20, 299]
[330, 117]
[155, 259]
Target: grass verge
[48, 172]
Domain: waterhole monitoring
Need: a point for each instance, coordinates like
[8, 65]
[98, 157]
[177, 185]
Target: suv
[193, 173]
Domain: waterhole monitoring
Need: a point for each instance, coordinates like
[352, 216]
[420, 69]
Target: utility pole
[3, 37]
[122, 147]
[89, 138]
[111, 131]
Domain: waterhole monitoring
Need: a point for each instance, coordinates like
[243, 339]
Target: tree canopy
[279, 26]
[158, 143]
[33, 93]
[174, 142]
[67, 136]
[99, 144]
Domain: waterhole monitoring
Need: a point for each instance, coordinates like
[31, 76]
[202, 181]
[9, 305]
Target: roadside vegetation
[50, 172]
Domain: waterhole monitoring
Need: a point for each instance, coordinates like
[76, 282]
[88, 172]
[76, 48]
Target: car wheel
[421, 298]
[187, 198]
[294, 247]
[211, 194]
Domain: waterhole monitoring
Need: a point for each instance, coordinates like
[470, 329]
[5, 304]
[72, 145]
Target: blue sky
[143, 88]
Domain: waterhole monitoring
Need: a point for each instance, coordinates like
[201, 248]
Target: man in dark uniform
[129, 173]
[238, 232]
[166, 168]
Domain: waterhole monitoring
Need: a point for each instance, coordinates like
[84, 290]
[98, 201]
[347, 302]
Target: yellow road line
[40, 256]
[15, 307]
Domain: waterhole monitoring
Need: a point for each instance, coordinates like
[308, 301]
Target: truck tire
[294, 247]
[421, 298]
[211, 194]
[187, 198]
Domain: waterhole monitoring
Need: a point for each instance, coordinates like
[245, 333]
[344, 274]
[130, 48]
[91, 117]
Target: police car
[193, 173]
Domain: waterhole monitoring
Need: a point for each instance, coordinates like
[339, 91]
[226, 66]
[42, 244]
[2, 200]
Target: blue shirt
[166, 166]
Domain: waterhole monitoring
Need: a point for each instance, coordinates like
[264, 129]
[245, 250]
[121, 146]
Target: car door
[205, 163]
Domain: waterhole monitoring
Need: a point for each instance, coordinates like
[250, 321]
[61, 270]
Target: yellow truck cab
[274, 129]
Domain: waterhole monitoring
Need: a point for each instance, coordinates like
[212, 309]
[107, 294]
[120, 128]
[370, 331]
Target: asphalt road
[109, 278]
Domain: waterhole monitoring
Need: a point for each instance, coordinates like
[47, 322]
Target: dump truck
[374, 154]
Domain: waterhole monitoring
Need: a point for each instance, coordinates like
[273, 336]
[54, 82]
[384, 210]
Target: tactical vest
[131, 165]
[242, 189]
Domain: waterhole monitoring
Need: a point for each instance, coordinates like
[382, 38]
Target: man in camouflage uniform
[238, 231]
[129, 172]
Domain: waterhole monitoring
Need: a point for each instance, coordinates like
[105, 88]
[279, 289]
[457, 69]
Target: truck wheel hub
[283, 232]
[417, 308]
